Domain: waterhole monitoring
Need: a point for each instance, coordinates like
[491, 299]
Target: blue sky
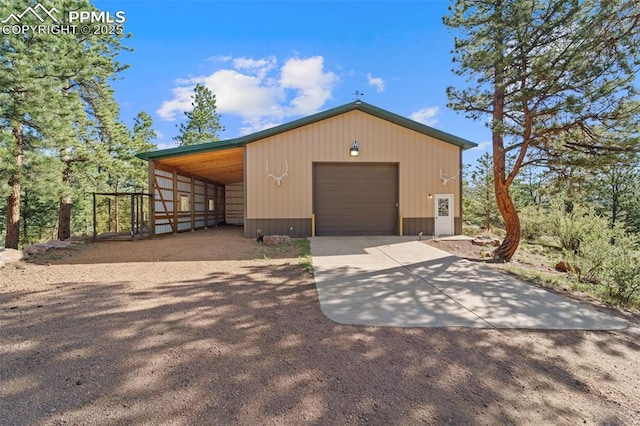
[272, 62]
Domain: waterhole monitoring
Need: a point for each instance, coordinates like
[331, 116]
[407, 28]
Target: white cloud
[312, 85]
[376, 82]
[165, 144]
[220, 58]
[252, 66]
[258, 90]
[482, 146]
[181, 102]
[426, 115]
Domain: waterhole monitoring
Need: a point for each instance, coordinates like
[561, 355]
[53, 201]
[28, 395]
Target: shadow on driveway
[400, 282]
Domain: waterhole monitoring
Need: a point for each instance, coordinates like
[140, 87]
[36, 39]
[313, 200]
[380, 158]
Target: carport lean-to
[303, 179]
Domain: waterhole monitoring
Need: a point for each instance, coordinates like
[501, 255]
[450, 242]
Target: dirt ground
[211, 328]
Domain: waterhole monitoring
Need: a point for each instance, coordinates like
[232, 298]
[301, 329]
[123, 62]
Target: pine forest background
[61, 134]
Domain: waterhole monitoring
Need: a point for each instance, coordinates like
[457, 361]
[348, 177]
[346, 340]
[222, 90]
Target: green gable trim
[357, 105]
[414, 125]
[191, 149]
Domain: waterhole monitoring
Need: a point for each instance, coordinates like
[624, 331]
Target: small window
[211, 206]
[184, 203]
[443, 207]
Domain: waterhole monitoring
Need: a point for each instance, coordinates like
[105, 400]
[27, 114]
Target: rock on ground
[277, 240]
[10, 256]
[45, 247]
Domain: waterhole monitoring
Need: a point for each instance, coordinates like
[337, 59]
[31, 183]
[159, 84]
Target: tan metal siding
[420, 159]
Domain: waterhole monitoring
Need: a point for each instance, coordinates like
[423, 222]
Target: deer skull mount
[446, 179]
[278, 179]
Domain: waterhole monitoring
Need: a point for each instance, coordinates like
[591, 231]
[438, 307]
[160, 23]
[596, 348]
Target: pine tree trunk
[25, 214]
[64, 219]
[117, 210]
[487, 211]
[13, 213]
[109, 216]
[509, 214]
[511, 222]
[12, 239]
[64, 210]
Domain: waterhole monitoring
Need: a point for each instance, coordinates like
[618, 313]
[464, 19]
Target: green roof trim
[356, 105]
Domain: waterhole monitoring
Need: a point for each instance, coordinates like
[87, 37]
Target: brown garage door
[355, 199]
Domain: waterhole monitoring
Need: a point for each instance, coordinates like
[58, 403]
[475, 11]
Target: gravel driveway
[208, 328]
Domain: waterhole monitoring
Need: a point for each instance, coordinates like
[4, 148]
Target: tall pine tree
[42, 80]
[203, 123]
[540, 69]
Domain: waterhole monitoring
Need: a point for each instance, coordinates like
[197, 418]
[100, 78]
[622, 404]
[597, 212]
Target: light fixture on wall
[430, 195]
[354, 151]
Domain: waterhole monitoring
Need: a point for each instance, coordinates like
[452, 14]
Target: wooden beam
[176, 204]
[192, 199]
[206, 205]
[133, 215]
[152, 198]
[95, 227]
[217, 204]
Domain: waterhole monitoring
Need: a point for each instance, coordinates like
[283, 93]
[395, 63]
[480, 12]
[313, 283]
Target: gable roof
[356, 105]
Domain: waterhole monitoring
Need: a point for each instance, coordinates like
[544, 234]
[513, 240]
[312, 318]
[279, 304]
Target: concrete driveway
[401, 282]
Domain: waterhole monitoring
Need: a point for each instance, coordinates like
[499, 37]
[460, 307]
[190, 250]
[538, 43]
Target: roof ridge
[313, 118]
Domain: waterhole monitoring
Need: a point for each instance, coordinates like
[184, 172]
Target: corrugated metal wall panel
[355, 199]
[234, 203]
[164, 173]
[168, 207]
[420, 159]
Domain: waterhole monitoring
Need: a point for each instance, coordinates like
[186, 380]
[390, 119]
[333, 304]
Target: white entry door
[444, 214]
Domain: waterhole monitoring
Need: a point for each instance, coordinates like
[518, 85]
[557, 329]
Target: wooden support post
[192, 200]
[223, 201]
[217, 206]
[313, 224]
[176, 203]
[95, 227]
[133, 215]
[152, 199]
[139, 201]
[206, 205]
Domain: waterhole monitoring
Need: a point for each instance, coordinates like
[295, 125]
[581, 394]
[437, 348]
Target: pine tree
[203, 123]
[482, 203]
[26, 97]
[141, 141]
[541, 69]
[43, 82]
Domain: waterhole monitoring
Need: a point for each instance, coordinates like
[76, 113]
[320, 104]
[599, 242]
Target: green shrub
[604, 257]
[589, 256]
[471, 230]
[571, 228]
[533, 222]
[622, 269]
